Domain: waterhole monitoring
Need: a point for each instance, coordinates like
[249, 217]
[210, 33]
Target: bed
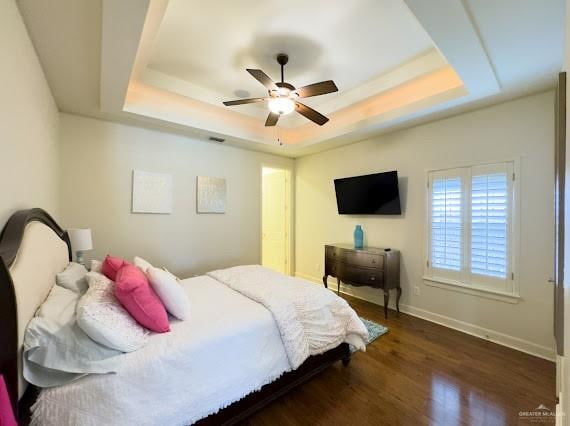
[242, 348]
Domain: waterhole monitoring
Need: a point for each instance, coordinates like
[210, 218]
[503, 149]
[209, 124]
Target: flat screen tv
[370, 194]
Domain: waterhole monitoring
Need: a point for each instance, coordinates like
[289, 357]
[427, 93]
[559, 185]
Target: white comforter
[311, 319]
[230, 347]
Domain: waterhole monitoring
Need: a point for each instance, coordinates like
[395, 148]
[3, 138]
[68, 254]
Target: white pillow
[166, 270]
[56, 350]
[59, 305]
[101, 317]
[142, 264]
[96, 266]
[171, 293]
[73, 278]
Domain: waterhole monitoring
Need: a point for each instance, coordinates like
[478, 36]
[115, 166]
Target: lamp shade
[80, 239]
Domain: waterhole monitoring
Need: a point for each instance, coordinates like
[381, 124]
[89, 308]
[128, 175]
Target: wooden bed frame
[11, 239]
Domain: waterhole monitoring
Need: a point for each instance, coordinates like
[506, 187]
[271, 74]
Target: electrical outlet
[417, 290]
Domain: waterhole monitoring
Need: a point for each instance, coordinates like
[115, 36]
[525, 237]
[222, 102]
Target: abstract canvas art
[210, 195]
[152, 192]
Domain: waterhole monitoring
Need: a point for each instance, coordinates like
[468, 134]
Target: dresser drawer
[361, 276]
[331, 267]
[332, 253]
[366, 260]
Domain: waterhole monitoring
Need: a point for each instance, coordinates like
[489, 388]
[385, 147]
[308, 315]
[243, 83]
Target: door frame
[289, 188]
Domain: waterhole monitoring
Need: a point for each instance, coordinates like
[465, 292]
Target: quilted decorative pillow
[139, 299]
[102, 317]
[111, 266]
[56, 350]
[142, 264]
[73, 278]
[170, 292]
[96, 266]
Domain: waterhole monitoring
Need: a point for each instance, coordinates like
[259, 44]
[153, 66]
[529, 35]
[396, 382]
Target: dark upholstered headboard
[33, 248]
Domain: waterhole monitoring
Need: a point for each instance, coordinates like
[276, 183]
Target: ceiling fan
[282, 99]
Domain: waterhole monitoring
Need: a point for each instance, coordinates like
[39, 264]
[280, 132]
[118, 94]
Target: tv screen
[369, 194]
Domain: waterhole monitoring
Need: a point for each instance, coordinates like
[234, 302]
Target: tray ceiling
[201, 53]
[170, 63]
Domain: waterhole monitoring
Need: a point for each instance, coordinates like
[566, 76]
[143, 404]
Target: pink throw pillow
[111, 266]
[139, 299]
[7, 417]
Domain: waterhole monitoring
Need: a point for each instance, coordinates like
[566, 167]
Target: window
[470, 227]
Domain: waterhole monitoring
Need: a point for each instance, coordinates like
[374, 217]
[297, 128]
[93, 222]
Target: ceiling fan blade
[317, 89]
[263, 79]
[271, 119]
[311, 114]
[244, 101]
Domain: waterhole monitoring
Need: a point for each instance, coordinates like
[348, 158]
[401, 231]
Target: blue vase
[358, 237]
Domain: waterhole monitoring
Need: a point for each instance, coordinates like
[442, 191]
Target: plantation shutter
[470, 226]
[490, 220]
[447, 222]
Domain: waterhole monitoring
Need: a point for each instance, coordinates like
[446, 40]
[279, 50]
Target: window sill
[469, 289]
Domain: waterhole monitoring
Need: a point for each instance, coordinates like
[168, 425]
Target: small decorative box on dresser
[369, 266]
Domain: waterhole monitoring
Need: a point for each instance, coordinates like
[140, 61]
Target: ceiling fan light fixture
[283, 96]
[281, 105]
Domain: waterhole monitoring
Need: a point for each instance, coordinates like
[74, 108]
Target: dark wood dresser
[369, 266]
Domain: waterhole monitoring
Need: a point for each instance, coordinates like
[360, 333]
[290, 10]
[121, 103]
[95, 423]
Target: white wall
[522, 129]
[28, 123]
[98, 158]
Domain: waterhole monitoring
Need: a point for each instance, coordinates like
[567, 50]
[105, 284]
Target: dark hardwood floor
[420, 373]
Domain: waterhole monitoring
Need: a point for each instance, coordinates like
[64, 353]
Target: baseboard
[309, 278]
[561, 390]
[312, 279]
[465, 327]
[483, 333]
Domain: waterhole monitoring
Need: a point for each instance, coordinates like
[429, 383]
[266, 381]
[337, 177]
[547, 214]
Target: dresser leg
[325, 281]
[398, 295]
[386, 301]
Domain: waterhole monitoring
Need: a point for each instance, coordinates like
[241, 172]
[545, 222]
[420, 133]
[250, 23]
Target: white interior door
[274, 211]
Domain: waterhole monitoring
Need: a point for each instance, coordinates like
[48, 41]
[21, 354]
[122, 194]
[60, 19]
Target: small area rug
[375, 330]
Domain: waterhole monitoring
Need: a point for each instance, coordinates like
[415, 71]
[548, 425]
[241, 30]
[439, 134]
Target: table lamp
[80, 241]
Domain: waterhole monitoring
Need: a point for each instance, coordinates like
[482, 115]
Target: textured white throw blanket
[310, 318]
